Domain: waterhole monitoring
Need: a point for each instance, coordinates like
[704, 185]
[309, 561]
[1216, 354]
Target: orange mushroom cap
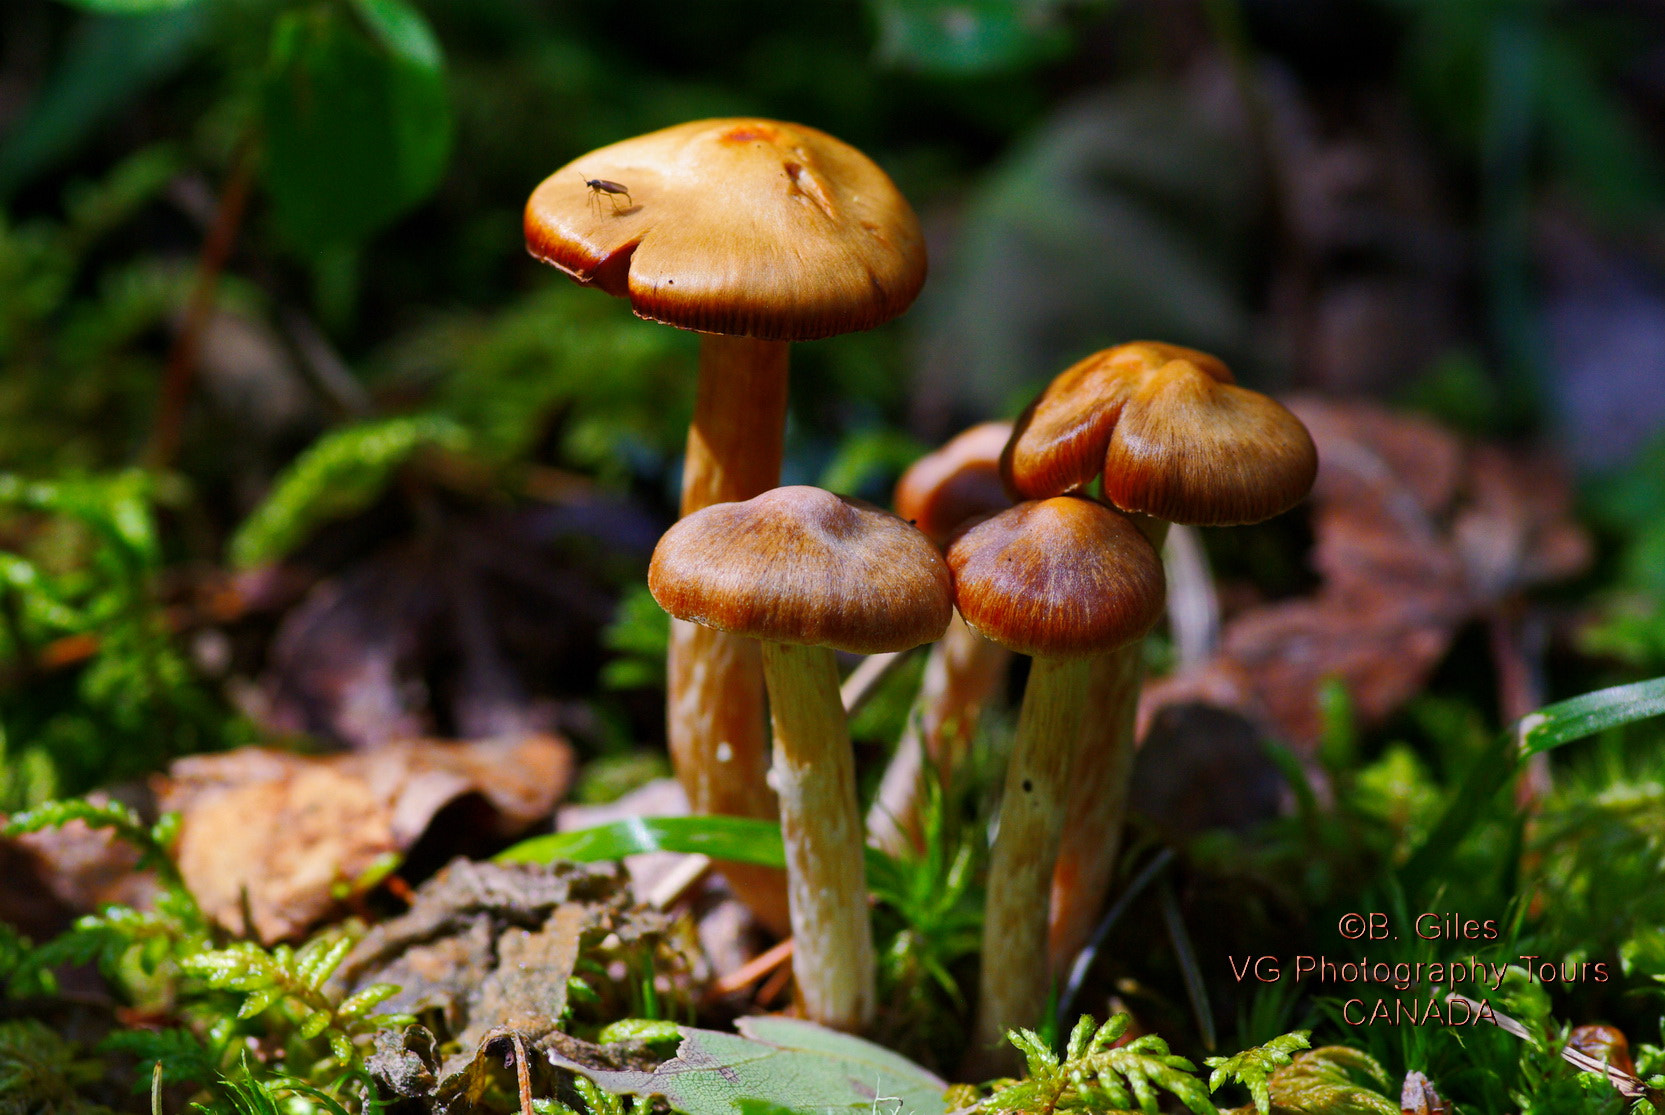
[1170, 432]
[801, 565]
[741, 226]
[957, 482]
[1064, 577]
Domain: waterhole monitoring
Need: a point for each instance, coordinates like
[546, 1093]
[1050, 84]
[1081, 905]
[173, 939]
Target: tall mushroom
[755, 233]
[938, 493]
[1064, 580]
[806, 572]
[1174, 439]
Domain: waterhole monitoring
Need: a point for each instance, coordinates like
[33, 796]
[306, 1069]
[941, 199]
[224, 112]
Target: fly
[612, 190]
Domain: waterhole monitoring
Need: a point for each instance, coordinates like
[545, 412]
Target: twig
[754, 969]
[523, 1075]
[771, 990]
[668, 890]
[182, 356]
[865, 679]
[1193, 605]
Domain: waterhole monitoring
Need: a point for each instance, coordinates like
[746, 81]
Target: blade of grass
[1548, 728]
[1556, 724]
[741, 839]
[1189, 971]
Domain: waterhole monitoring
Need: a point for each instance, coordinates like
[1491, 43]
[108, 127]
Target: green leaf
[128, 7]
[1593, 712]
[358, 128]
[740, 839]
[402, 30]
[1334, 1080]
[1253, 1067]
[109, 62]
[968, 36]
[341, 474]
[777, 1063]
[649, 1031]
[1098, 1075]
[259, 1001]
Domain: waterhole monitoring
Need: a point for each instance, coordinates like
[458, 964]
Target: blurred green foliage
[84, 587]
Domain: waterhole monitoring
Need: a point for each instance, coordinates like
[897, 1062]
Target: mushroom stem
[832, 959]
[714, 685]
[739, 429]
[1013, 985]
[1097, 803]
[961, 672]
[1099, 777]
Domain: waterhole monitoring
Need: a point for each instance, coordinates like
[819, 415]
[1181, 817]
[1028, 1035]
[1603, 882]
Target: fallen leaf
[279, 840]
[1415, 534]
[485, 954]
[69, 869]
[776, 1062]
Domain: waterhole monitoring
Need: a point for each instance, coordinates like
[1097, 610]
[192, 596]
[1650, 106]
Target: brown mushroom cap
[957, 482]
[1060, 439]
[1171, 434]
[1057, 578]
[743, 226]
[801, 565]
[1189, 449]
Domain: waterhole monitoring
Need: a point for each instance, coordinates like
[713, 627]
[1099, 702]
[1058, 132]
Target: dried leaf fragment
[285, 837]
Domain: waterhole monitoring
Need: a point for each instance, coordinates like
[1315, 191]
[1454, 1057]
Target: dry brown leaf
[484, 955]
[273, 838]
[1415, 534]
[69, 869]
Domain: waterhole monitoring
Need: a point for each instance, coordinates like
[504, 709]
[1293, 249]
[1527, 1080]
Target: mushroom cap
[959, 481]
[801, 565]
[1170, 432]
[739, 226]
[1064, 577]
[1189, 449]
[1059, 441]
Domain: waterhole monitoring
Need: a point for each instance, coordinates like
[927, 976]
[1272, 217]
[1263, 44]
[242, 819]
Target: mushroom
[1176, 440]
[1065, 580]
[805, 573]
[938, 493]
[755, 233]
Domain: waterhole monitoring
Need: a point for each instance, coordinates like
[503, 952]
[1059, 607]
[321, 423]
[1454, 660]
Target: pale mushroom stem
[1097, 803]
[1015, 977]
[832, 952]
[1099, 778]
[714, 682]
[962, 671]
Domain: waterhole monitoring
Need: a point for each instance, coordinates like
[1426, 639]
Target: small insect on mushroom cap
[801, 565]
[613, 190]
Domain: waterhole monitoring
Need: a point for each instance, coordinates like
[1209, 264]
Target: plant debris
[488, 951]
[271, 842]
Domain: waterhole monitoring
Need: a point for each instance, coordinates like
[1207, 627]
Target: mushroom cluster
[757, 233]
